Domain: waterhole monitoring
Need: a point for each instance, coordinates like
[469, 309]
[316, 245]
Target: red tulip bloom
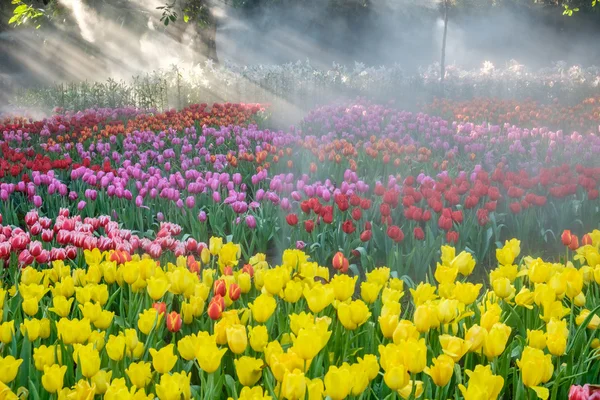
[340, 262]
[309, 225]
[234, 291]
[356, 214]
[174, 321]
[574, 245]
[248, 269]
[452, 237]
[220, 287]
[395, 233]
[214, 309]
[566, 237]
[355, 200]
[348, 227]
[305, 206]
[365, 204]
[365, 236]
[160, 307]
[419, 234]
[384, 209]
[586, 239]
[291, 219]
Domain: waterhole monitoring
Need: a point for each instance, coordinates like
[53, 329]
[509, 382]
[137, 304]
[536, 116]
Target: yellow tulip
[248, 370]
[293, 386]
[445, 273]
[32, 328]
[9, 367]
[388, 325]
[102, 381]
[379, 276]
[73, 331]
[293, 291]
[490, 317]
[405, 330]
[369, 291]
[149, 319]
[175, 386]
[503, 288]
[263, 307]
[396, 377]
[255, 393]
[229, 255]
[466, 293]
[115, 347]
[318, 297]
[343, 286]
[157, 287]
[525, 298]
[580, 319]
[130, 271]
[353, 315]
[507, 254]
[275, 280]
[30, 306]
[483, 384]
[90, 311]
[338, 382]
[104, 320]
[214, 245]
[448, 310]
[139, 374]
[259, 338]
[209, 357]
[360, 380]
[44, 356]
[237, 338]
[83, 390]
[454, 347]
[163, 360]
[424, 293]
[315, 388]
[7, 331]
[495, 341]
[426, 317]
[302, 320]
[53, 377]
[415, 355]
[536, 368]
[536, 339]
[441, 371]
[88, 359]
[244, 281]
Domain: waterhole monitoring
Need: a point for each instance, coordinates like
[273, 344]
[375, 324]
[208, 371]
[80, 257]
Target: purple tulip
[202, 216]
[216, 197]
[251, 221]
[190, 202]
[300, 245]
[37, 201]
[81, 205]
[160, 217]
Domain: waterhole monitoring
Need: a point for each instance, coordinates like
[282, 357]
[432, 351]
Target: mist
[94, 44]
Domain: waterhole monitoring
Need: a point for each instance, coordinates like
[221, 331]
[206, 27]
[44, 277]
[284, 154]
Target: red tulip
[340, 262]
[248, 269]
[385, 210]
[348, 227]
[215, 308]
[574, 245]
[419, 234]
[291, 219]
[452, 237]
[395, 233]
[174, 321]
[586, 240]
[356, 214]
[566, 237]
[309, 225]
[234, 291]
[160, 307]
[220, 287]
[365, 204]
[365, 236]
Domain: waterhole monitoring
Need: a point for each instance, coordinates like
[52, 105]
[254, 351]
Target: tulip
[9, 367]
[237, 338]
[163, 360]
[88, 359]
[294, 385]
[248, 370]
[495, 341]
[174, 321]
[209, 357]
[536, 368]
[7, 332]
[157, 287]
[441, 371]
[338, 382]
[175, 386]
[454, 347]
[353, 315]
[259, 338]
[262, 308]
[482, 384]
[53, 377]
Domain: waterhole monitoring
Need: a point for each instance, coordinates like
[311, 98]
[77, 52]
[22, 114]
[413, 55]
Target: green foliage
[24, 13]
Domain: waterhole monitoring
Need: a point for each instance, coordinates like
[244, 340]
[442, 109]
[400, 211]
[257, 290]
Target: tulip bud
[214, 310]
[585, 240]
[566, 237]
[340, 262]
[174, 321]
[220, 287]
[234, 291]
[160, 307]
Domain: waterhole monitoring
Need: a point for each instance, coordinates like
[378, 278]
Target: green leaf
[13, 19]
[21, 9]
[186, 18]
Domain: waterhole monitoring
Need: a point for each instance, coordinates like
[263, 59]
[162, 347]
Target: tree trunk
[443, 60]
[208, 36]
